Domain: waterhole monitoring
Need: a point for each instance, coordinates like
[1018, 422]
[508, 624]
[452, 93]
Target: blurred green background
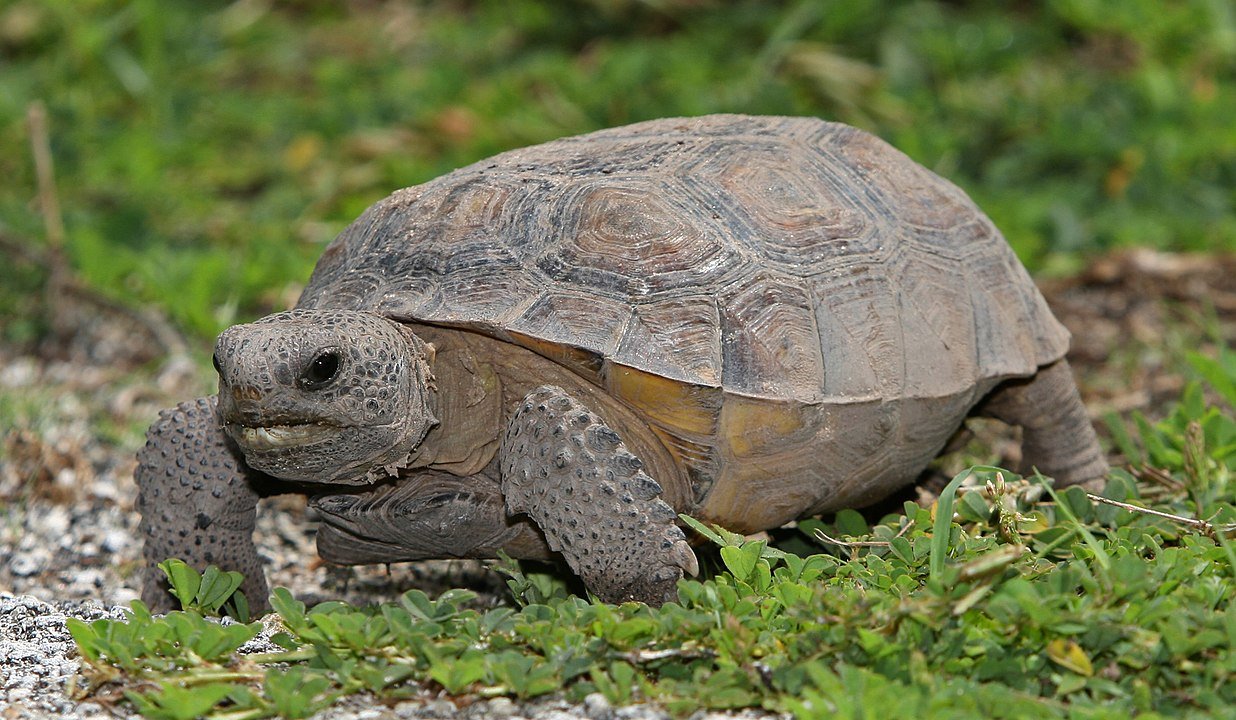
[206, 151]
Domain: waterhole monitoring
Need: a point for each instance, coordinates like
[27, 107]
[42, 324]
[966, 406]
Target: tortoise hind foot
[1057, 437]
[571, 474]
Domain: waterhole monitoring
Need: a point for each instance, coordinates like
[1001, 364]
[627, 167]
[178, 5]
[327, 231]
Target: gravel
[39, 667]
[38, 658]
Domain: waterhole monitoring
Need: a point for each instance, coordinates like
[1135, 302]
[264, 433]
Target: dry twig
[862, 543]
[850, 544]
[1203, 526]
[62, 284]
[60, 276]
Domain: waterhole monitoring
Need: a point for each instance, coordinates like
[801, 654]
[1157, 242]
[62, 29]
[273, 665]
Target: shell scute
[857, 313]
[563, 313]
[633, 240]
[682, 328]
[769, 337]
[797, 215]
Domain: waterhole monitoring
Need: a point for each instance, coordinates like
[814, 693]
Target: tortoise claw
[683, 556]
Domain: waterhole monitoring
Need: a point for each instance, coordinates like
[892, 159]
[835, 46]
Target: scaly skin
[564, 468]
[198, 501]
[1057, 437]
[425, 514]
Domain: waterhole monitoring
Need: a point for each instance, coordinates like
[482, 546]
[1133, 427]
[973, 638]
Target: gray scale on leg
[1057, 437]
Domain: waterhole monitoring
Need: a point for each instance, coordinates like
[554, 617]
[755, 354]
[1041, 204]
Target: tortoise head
[323, 395]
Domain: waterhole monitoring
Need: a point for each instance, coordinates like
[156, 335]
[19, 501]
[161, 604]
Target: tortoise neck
[464, 395]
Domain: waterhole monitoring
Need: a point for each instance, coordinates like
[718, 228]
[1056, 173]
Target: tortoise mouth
[278, 437]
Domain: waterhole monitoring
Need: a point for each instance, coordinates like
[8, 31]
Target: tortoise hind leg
[1057, 437]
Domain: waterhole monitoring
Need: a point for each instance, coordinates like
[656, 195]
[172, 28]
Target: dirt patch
[1135, 316]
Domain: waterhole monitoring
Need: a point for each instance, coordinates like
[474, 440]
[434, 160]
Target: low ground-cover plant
[1004, 598]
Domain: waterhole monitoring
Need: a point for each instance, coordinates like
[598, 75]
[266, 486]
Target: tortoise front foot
[429, 514]
[196, 501]
[570, 473]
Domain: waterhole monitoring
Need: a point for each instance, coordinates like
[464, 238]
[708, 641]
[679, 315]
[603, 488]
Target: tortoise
[555, 351]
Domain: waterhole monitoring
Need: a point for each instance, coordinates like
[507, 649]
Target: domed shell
[781, 259]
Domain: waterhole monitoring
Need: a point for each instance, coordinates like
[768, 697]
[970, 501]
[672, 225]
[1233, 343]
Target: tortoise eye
[321, 370]
[214, 359]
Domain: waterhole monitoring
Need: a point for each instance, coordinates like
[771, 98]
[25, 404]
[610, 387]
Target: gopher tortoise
[553, 351]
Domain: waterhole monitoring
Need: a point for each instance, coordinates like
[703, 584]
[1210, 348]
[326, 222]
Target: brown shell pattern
[779, 258]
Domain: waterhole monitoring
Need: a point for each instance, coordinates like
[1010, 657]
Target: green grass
[1006, 599]
[206, 151]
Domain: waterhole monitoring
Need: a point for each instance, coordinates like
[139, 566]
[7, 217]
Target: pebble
[438, 709]
[597, 706]
[19, 372]
[37, 654]
[641, 712]
[27, 564]
[501, 707]
[114, 541]
[106, 491]
[65, 477]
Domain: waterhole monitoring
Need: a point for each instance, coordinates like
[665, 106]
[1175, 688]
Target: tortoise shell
[689, 265]
[783, 258]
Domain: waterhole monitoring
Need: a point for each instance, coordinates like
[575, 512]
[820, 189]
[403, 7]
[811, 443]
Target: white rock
[18, 373]
[597, 706]
[27, 564]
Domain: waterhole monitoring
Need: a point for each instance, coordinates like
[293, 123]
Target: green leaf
[1078, 504]
[1070, 656]
[851, 523]
[1216, 373]
[238, 607]
[184, 580]
[456, 674]
[973, 508]
[289, 608]
[741, 560]
[1120, 434]
[297, 692]
[716, 534]
[173, 702]
[901, 548]
[941, 531]
[216, 588]
[86, 638]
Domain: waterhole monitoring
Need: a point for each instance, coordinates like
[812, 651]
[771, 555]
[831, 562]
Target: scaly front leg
[197, 502]
[569, 472]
